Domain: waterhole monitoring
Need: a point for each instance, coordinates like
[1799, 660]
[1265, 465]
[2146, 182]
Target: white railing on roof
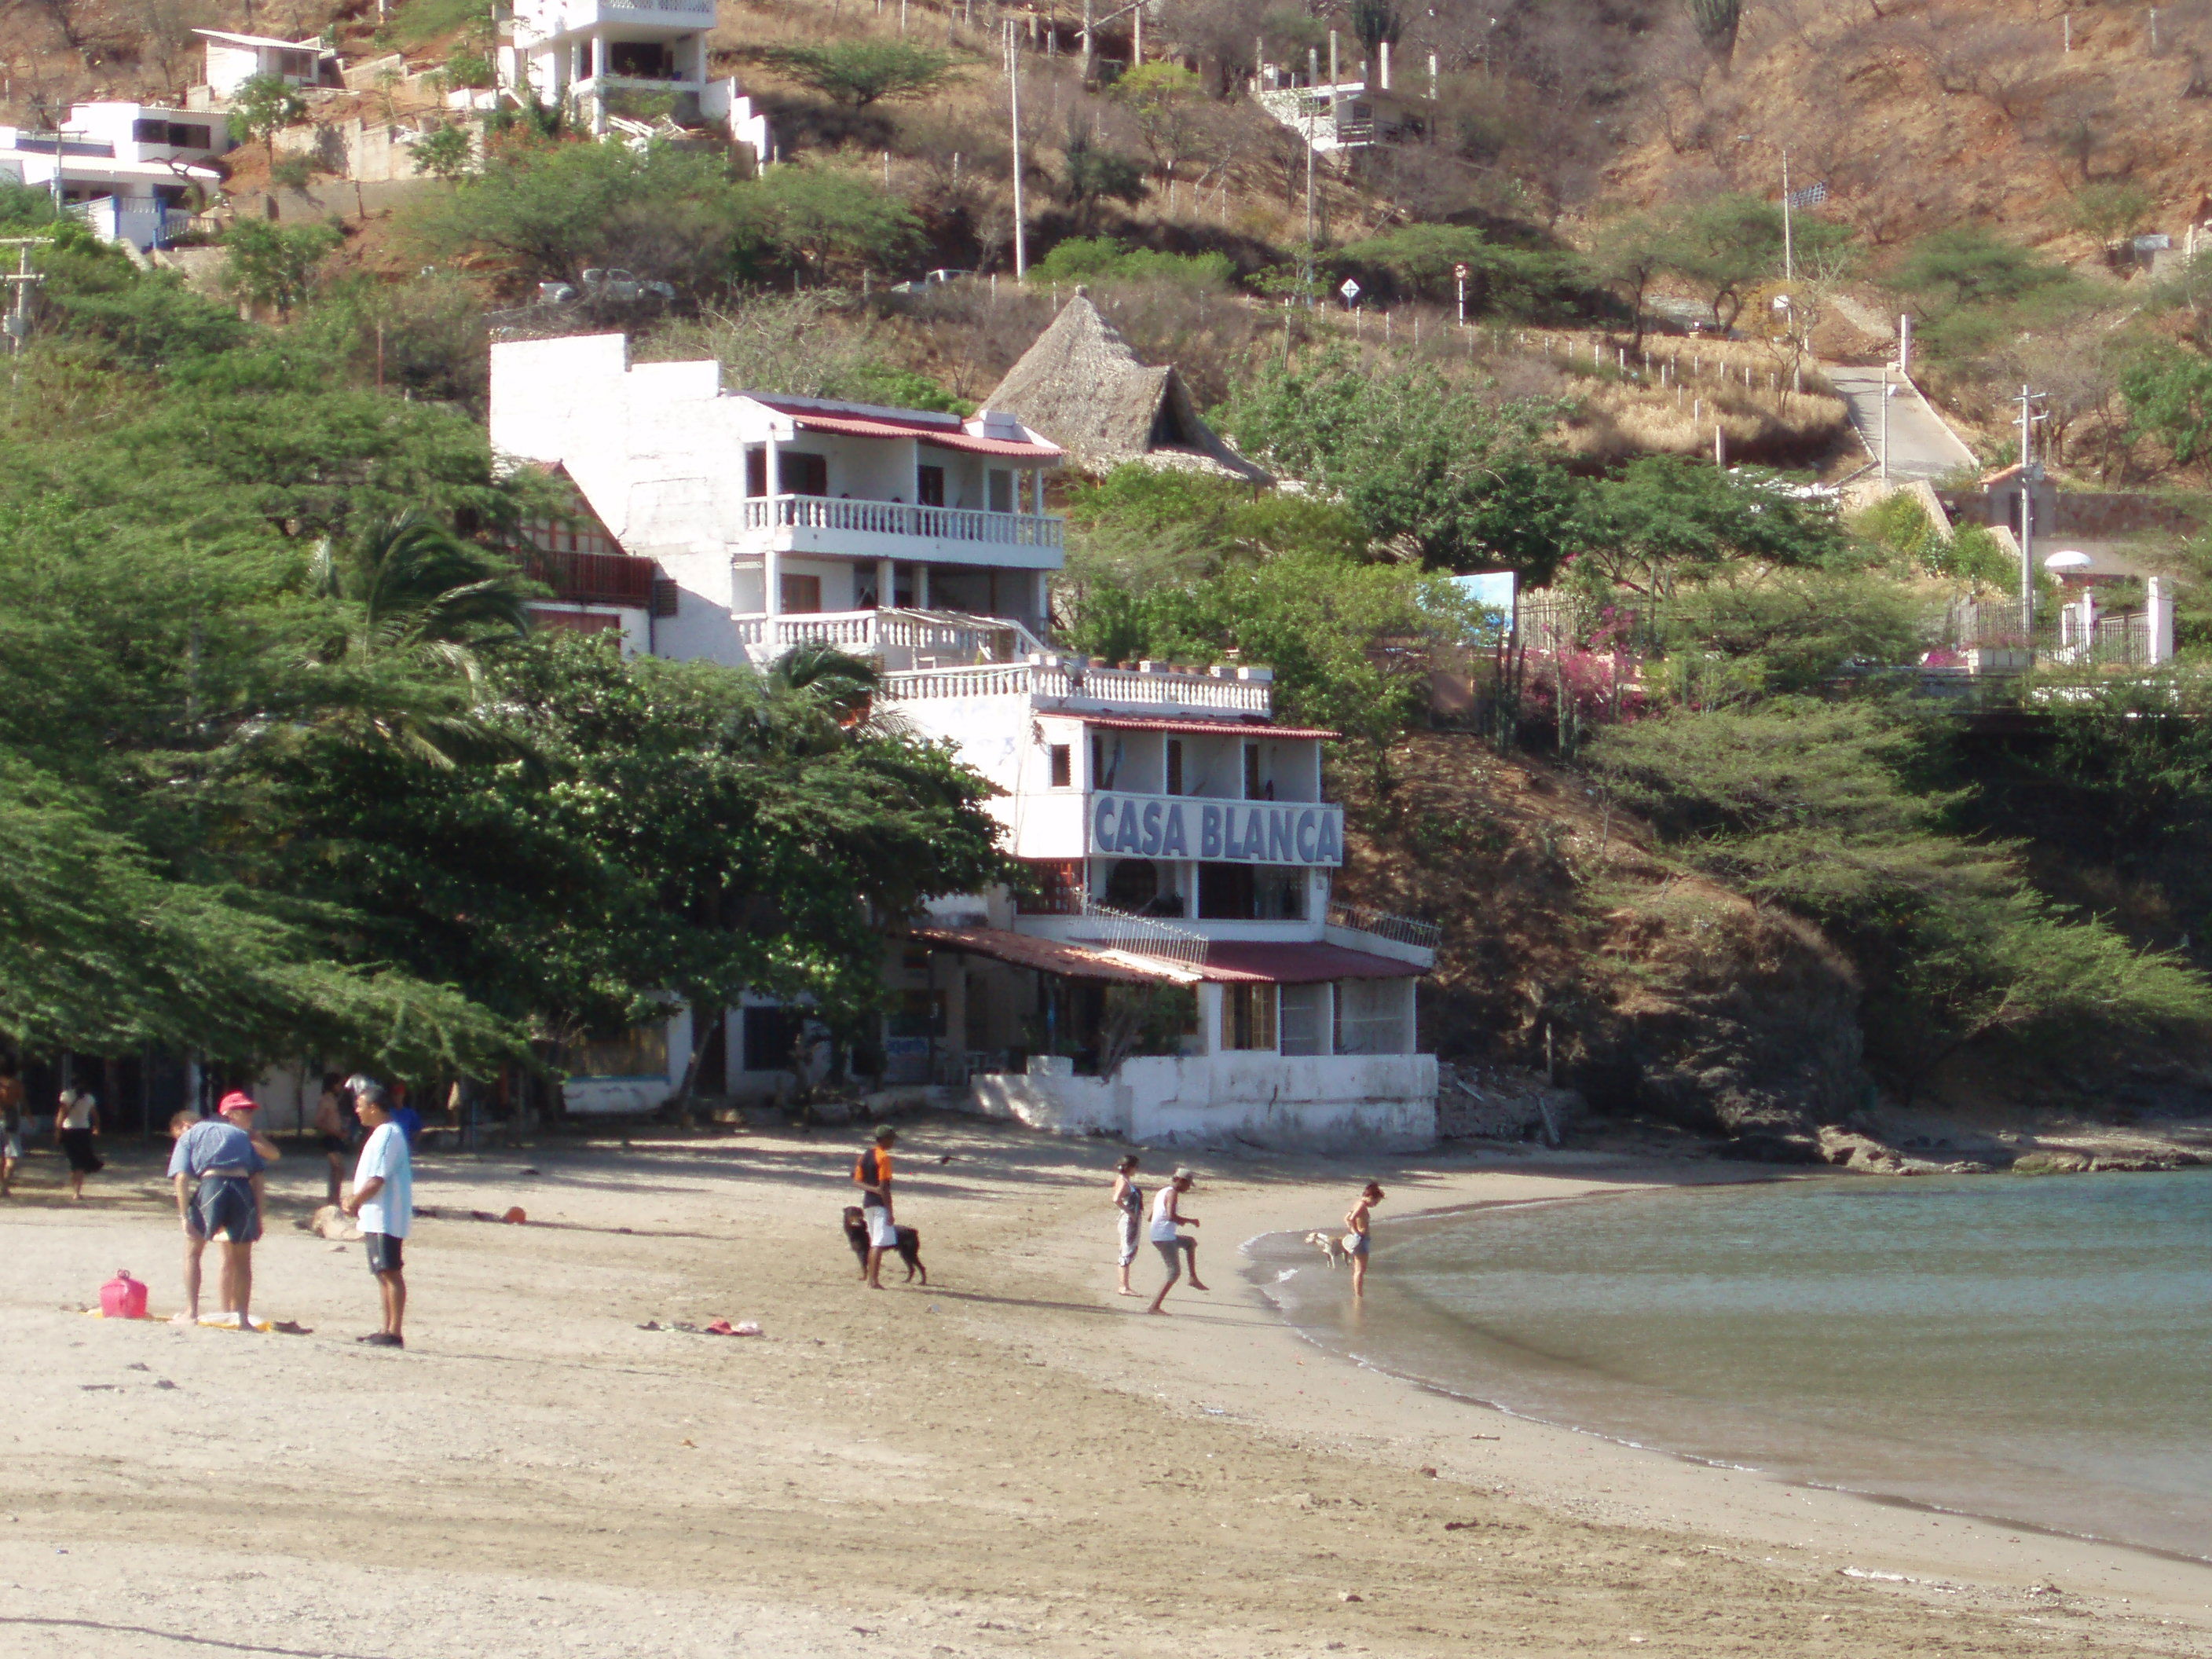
[1143, 936]
[1115, 687]
[1404, 930]
[944, 523]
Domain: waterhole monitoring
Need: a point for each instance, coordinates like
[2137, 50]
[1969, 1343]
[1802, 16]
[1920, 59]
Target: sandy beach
[1013, 1461]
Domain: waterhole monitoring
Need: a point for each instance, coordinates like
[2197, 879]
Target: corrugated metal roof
[1051, 955]
[1261, 962]
[853, 423]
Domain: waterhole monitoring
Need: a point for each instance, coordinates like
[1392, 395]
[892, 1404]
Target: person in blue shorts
[217, 1169]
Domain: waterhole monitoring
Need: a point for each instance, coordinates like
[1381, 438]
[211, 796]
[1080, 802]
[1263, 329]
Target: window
[1175, 766]
[1001, 489]
[641, 1051]
[1251, 892]
[150, 132]
[1058, 888]
[183, 137]
[1252, 771]
[800, 594]
[929, 485]
[1304, 1019]
[771, 1037]
[1133, 885]
[755, 470]
[1063, 767]
[803, 474]
[1248, 1016]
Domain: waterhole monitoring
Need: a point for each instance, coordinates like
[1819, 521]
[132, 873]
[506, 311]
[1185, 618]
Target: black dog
[910, 1244]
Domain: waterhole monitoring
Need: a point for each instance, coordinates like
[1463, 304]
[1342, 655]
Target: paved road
[1920, 445]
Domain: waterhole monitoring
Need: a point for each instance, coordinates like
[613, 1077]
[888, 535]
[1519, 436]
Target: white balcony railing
[1106, 687]
[1404, 930]
[903, 640]
[944, 523]
[1111, 929]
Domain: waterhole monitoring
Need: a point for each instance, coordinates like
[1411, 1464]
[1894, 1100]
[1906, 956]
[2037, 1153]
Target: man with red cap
[216, 1170]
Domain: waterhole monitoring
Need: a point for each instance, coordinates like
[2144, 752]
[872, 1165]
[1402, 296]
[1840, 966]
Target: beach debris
[1461, 1525]
[331, 1223]
[514, 1216]
[525, 1169]
[714, 1328]
[1430, 1470]
[1350, 1596]
[1215, 1411]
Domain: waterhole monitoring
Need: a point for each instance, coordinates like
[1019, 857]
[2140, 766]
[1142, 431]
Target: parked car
[935, 279]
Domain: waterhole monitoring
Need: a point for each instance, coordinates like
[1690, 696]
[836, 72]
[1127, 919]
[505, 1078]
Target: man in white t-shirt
[383, 1198]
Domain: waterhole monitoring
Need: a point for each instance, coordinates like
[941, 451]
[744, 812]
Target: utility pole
[1014, 114]
[1886, 391]
[22, 279]
[2027, 419]
[1312, 93]
[1789, 246]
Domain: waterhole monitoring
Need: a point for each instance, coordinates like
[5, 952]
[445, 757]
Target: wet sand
[1015, 1460]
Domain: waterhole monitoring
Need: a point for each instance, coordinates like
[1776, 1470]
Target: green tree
[275, 265]
[1661, 523]
[264, 106]
[859, 73]
[2169, 398]
[445, 153]
[1464, 478]
[837, 219]
[1167, 102]
[1811, 807]
[1092, 174]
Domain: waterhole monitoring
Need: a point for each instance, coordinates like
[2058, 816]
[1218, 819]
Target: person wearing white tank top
[1168, 1241]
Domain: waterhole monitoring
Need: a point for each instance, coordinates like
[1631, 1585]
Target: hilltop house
[1175, 968]
[134, 172]
[1082, 386]
[235, 60]
[612, 61]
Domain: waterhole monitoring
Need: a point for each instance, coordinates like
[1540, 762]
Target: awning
[1050, 956]
[1228, 961]
[1256, 727]
[1259, 962]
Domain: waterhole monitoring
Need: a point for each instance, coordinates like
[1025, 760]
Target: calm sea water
[2038, 1351]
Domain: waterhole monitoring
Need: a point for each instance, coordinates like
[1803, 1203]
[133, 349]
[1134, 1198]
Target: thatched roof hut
[1083, 387]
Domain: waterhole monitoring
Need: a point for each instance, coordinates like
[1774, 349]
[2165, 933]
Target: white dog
[1327, 1244]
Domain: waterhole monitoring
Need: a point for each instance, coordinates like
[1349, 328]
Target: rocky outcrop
[1503, 1103]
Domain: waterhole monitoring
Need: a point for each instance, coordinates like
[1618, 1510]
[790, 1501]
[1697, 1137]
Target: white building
[1175, 968]
[235, 60]
[638, 59]
[132, 172]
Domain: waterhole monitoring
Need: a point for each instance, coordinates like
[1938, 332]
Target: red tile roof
[1261, 962]
[1027, 951]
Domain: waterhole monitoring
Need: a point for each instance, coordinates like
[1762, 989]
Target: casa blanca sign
[1230, 831]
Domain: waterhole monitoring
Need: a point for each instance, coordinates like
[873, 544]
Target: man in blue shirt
[216, 1170]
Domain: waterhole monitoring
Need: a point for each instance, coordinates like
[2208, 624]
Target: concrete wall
[632, 1097]
[1339, 1102]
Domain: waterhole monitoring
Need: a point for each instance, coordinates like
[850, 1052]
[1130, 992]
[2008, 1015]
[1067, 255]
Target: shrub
[859, 73]
[1102, 259]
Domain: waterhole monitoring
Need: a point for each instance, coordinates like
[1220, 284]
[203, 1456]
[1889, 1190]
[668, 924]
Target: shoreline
[1885, 1499]
[999, 1464]
[1582, 1472]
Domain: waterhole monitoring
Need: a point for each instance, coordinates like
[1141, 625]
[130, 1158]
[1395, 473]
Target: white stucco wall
[1386, 1101]
[630, 1097]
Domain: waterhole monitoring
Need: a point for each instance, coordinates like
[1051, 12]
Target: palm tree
[813, 700]
[419, 607]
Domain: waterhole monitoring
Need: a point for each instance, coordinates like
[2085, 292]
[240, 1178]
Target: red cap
[238, 1101]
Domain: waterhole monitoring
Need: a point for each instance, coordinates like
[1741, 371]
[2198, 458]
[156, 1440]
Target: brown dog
[910, 1244]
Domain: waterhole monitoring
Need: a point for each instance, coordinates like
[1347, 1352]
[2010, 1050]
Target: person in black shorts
[334, 1125]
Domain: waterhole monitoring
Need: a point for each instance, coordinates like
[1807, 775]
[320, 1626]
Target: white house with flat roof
[235, 60]
[1175, 966]
[134, 173]
[780, 518]
[640, 59]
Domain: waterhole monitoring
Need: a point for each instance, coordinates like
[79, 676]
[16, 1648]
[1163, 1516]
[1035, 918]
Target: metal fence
[1144, 936]
[1403, 930]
